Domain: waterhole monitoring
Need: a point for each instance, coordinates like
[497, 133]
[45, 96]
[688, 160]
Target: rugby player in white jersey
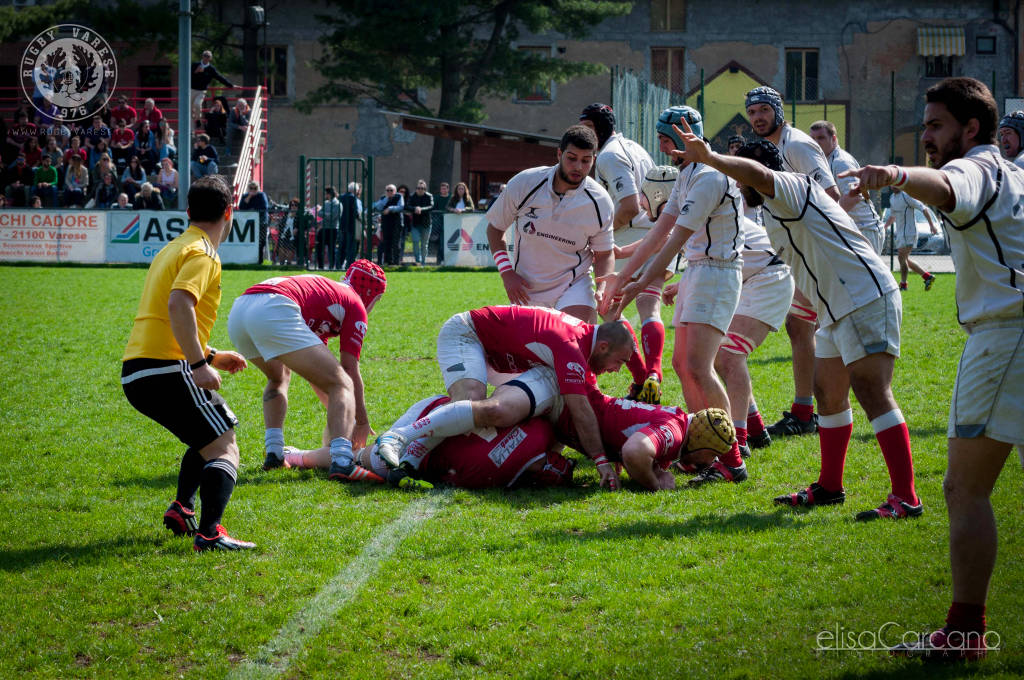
[904, 228]
[621, 167]
[860, 207]
[800, 154]
[979, 197]
[702, 220]
[1011, 137]
[562, 221]
[859, 310]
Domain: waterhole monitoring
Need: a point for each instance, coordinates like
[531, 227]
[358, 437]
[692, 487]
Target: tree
[392, 51]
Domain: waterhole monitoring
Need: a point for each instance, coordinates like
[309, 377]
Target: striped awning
[941, 41]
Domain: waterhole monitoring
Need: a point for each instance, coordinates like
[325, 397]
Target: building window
[668, 68]
[275, 57]
[801, 75]
[540, 91]
[939, 66]
[668, 15]
[155, 82]
[985, 44]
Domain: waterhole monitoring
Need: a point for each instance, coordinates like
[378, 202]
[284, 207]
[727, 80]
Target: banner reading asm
[138, 236]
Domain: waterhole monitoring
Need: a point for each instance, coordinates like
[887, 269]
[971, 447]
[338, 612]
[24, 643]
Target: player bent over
[283, 325]
[168, 370]
[978, 196]
[859, 310]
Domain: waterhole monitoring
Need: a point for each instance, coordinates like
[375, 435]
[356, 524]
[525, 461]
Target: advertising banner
[53, 236]
[465, 241]
[136, 236]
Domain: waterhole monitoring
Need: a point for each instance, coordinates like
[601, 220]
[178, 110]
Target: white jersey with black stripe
[1019, 160]
[986, 235]
[864, 214]
[800, 153]
[758, 253]
[902, 207]
[622, 165]
[555, 236]
[707, 202]
[832, 263]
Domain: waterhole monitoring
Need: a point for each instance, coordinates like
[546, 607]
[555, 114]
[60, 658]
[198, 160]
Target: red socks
[834, 437]
[741, 436]
[652, 336]
[733, 457]
[755, 423]
[894, 438]
[802, 411]
[966, 617]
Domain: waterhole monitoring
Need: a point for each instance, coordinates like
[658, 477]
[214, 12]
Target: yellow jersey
[190, 263]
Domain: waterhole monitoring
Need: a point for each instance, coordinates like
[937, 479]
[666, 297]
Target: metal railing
[250, 158]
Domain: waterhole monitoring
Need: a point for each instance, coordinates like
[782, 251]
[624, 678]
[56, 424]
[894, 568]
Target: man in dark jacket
[203, 72]
[254, 199]
[419, 206]
[390, 208]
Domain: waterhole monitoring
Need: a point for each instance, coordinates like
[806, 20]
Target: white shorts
[870, 329]
[875, 237]
[709, 292]
[460, 354]
[905, 234]
[989, 390]
[579, 293]
[766, 296]
[541, 385]
[267, 325]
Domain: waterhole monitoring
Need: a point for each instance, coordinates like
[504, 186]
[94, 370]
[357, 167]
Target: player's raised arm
[925, 184]
[743, 170]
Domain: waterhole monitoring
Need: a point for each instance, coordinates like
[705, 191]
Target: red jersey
[330, 308]
[122, 136]
[517, 338]
[619, 419]
[125, 113]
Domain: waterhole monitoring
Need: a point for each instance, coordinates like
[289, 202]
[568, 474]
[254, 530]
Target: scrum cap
[368, 280]
[1014, 121]
[710, 428]
[603, 118]
[766, 95]
[658, 185]
[672, 115]
[762, 151]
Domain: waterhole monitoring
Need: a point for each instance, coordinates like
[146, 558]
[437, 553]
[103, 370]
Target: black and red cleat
[815, 494]
[180, 520]
[220, 541]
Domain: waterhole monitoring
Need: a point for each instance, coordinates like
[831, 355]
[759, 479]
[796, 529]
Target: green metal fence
[313, 245]
[637, 105]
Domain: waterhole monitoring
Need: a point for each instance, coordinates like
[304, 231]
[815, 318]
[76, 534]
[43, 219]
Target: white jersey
[622, 165]
[986, 235]
[1019, 160]
[555, 236]
[832, 263]
[758, 253]
[707, 202]
[863, 214]
[902, 207]
[800, 153]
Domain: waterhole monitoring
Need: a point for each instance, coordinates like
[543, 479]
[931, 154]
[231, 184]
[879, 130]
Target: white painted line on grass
[274, 657]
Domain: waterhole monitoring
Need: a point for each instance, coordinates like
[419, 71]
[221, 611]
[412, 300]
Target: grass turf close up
[362, 581]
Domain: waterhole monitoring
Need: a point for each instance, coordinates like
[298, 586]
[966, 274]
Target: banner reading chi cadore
[52, 236]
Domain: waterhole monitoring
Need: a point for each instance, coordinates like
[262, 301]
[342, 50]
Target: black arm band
[198, 364]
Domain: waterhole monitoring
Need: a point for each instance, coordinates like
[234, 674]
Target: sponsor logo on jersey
[361, 328]
[576, 372]
[528, 228]
[531, 213]
[686, 208]
[500, 453]
[666, 432]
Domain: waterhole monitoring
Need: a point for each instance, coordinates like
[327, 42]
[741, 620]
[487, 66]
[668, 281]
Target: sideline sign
[137, 236]
[465, 240]
[53, 235]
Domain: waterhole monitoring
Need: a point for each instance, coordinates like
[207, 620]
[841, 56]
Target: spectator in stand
[133, 177]
[75, 148]
[106, 192]
[32, 152]
[99, 151]
[122, 203]
[18, 182]
[98, 132]
[148, 198]
[103, 165]
[19, 133]
[287, 235]
[437, 220]
[254, 199]
[420, 205]
[238, 122]
[460, 201]
[151, 113]
[403, 191]
[167, 182]
[60, 131]
[44, 183]
[123, 112]
[46, 113]
[37, 202]
[203, 72]
[53, 151]
[3, 201]
[76, 183]
[122, 142]
[145, 146]
[390, 208]
[216, 121]
[351, 229]
[165, 141]
[204, 158]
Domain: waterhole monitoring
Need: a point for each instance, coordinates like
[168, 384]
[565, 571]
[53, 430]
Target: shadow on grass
[75, 555]
[742, 522]
[936, 431]
[907, 669]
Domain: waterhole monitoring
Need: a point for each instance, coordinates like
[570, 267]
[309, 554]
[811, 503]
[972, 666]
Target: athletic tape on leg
[803, 313]
[735, 343]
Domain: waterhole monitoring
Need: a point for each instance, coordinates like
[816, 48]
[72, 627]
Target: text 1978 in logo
[71, 68]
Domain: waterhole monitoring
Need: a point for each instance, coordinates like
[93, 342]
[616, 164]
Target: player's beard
[564, 176]
[774, 127]
[751, 197]
[952, 149]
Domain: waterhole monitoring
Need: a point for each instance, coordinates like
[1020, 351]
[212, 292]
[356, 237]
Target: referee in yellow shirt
[168, 369]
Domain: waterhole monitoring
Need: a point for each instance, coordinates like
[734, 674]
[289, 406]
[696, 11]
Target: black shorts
[164, 390]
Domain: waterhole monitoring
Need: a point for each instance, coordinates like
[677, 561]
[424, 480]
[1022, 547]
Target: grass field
[359, 581]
